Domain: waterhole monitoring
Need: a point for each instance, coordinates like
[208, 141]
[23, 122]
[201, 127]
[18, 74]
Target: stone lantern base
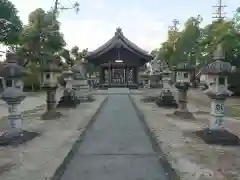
[166, 99]
[216, 132]
[184, 115]
[68, 100]
[17, 138]
[182, 111]
[218, 137]
[51, 115]
[51, 112]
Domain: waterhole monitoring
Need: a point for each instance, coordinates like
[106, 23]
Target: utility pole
[175, 24]
[174, 29]
[55, 8]
[219, 14]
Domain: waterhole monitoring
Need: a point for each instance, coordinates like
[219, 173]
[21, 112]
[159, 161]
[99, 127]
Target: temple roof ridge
[117, 41]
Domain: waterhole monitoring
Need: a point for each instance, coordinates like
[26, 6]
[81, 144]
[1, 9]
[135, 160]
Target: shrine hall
[119, 60]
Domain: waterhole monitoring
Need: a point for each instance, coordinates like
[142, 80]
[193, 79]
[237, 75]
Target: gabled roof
[117, 41]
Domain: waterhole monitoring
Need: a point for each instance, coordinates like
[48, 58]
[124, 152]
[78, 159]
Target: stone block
[166, 99]
[68, 100]
[17, 138]
[218, 137]
[184, 115]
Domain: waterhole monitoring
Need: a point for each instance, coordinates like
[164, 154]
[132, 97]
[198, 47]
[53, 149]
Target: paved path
[115, 147]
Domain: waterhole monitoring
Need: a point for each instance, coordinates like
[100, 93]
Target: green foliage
[37, 42]
[79, 56]
[32, 80]
[234, 82]
[67, 56]
[194, 43]
[10, 23]
[40, 36]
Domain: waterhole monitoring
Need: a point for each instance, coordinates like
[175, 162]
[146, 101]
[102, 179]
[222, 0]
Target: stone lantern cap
[12, 94]
[11, 69]
[184, 67]
[166, 72]
[218, 68]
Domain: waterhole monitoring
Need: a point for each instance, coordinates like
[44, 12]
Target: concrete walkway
[115, 147]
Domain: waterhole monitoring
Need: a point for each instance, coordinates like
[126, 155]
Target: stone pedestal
[182, 110]
[68, 99]
[166, 99]
[13, 97]
[15, 118]
[216, 132]
[51, 112]
[218, 137]
[15, 134]
[217, 113]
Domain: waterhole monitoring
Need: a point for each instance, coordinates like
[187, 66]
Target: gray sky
[145, 22]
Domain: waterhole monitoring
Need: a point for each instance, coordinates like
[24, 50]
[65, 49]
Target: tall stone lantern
[183, 73]
[217, 79]
[50, 84]
[13, 95]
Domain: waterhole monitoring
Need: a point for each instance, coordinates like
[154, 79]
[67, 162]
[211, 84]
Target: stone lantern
[80, 83]
[166, 78]
[183, 73]
[166, 97]
[13, 95]
[68, 78]
[50, 84]
[68, 100]
[217, 75]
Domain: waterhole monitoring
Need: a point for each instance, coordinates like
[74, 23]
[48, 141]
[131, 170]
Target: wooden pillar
[109, 73]
[126, 75]
[134, 75]
[101, 75]
[137, 75]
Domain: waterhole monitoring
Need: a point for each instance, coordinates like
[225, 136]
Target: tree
[41, 35]
[194, 44]
[67, 56]
[168, 48]
[10, 23]
[79, 56]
